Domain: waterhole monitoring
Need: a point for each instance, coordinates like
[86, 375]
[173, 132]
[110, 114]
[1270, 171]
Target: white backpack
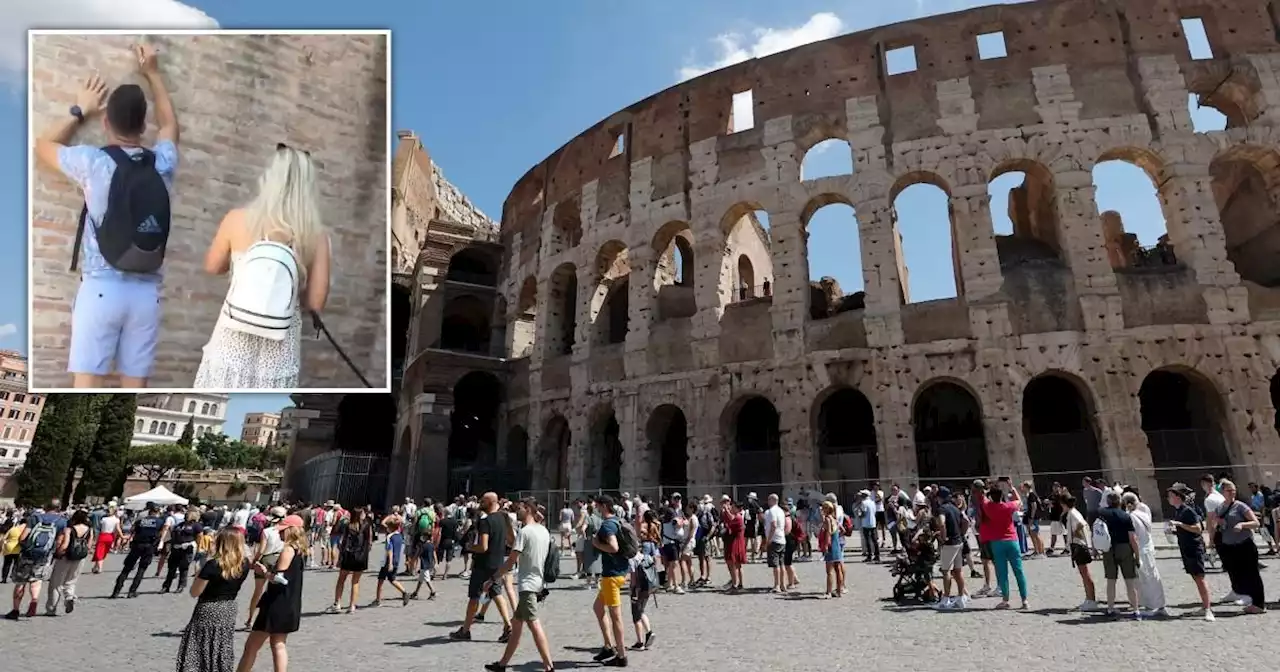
[1101, 536]
[263, 296]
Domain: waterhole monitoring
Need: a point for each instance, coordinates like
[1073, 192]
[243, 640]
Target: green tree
[218, 451]
[158, 462]
[211, 447]
[65, 425]
[188, 435]
[109, 452]
[84, 442]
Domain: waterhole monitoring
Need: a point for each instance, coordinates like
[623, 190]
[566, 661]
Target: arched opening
[1134, 226]
[473, 436]
[673, 273]
[554, 453]
[834, 254]
[606, 439]
[828, 158]
[562, 309]
[667, 434]
[524, 325]
[518, 457]
[1246, 186]
[610, 304]
[924, 231]
[465, 325]
[951, 446]
[366, 424]
[473, 265]
[1182, 416]
[1024, 213]
[566, 226]
[756, 459]
[401, 314]
[746, 230]
[1205, 118]
[845, 431]
[1057, 424]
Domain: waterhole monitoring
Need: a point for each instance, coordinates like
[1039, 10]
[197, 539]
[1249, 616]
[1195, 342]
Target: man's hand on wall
[92, 96]
[146, 55]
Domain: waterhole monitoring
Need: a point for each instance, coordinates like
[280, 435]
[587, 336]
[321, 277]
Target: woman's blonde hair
[295, 537]
[287, 208]
[193, 516]
[828, 507]
[228, 552]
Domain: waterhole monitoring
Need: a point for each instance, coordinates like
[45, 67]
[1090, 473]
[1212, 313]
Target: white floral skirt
[234, 360]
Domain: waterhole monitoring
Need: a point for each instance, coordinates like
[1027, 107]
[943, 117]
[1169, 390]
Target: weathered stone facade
[236, 97]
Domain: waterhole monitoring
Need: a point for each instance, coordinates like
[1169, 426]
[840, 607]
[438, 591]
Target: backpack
[253, 534]
[798, 531]
[551, 566]
[134, 230]
[40, 542]
[846, 525]
[353, 541]
[262, 300]
[647, 579]
[628, 542]
[78, 546]
[1101, 535]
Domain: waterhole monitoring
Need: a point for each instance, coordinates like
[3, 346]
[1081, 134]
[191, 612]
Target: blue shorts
[114, 327]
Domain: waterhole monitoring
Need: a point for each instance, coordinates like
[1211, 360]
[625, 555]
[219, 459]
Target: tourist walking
[1189, 529]
[182, 548]
[72, 549]
[108, 532]
[148, 534]
[37, 541]
[208, 642]
[529, 557]
[615, 565]
[353, 558]
[280, 610]
[394, 547]
[266, 551]
[1238, 551]
[997, 527]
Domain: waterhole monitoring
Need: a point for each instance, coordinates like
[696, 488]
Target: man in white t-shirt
[775, 534]
[528, 556]
[918, 499]
[1213, 502]
[410, 508]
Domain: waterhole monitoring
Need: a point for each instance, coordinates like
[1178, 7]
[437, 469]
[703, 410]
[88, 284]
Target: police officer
[148, 534]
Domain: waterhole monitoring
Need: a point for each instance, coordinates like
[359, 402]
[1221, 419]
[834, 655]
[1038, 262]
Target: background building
[162, 417]
[288, 427]
[19, 409]
[260, 429]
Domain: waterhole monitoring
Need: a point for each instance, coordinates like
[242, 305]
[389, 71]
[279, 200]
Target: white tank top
[272, 543]
[108, 525]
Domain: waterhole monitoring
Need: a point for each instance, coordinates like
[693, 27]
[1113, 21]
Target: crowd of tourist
[627, 550]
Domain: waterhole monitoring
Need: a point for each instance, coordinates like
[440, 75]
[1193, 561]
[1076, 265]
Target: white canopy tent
[160, 495]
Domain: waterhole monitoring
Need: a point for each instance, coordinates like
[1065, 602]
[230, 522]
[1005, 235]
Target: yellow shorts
[610, 594]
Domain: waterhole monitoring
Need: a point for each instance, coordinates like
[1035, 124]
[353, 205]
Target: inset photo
[209, 210]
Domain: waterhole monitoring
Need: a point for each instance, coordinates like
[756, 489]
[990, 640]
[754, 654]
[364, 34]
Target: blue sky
[494, 86]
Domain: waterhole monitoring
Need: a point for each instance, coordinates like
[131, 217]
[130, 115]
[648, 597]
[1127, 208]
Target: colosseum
[635, 325]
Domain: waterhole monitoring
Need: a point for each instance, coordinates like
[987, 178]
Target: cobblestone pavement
[698, 631]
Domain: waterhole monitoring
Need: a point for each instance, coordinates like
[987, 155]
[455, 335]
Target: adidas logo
[149, 225]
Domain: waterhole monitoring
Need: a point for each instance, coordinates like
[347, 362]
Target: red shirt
[997, 521]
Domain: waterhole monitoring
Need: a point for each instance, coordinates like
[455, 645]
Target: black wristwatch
[77, 112]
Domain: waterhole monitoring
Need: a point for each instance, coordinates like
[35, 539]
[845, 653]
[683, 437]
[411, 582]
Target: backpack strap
[121, 157]
[75, 249]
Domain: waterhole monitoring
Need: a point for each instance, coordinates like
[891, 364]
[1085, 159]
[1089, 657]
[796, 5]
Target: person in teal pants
[999, 505]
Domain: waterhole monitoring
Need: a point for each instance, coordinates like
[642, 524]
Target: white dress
[234, 360]
[1150, 588]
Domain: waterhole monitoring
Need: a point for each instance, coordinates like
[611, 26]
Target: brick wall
[236, 97]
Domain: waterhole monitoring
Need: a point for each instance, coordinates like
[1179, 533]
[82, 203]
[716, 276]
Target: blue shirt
[394, 546]
[868, 513]
[91, 169]
[612, 564]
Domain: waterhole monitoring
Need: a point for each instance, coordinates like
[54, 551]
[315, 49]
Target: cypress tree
[187, 440]
[58, 436]
[109, 452]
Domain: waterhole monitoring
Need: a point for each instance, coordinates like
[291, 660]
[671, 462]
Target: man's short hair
[127, 110]
[1208, 478]
[1069, 500]
[604, 500]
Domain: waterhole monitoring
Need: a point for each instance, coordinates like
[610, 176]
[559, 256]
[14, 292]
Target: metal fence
[350, 479]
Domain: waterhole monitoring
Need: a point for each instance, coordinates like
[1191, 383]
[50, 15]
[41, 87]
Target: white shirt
[533, 542]
[566, 516]
[272, 543]
[1076, 521]
[1214, 501]
[409, 509]
[919, 498]
[775, 525]
[240, 518]
[108, 525]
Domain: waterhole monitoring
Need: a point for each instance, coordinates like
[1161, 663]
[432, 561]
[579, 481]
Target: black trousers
[1241, 562]
[179, 564]
[9, 562]
[140, 556]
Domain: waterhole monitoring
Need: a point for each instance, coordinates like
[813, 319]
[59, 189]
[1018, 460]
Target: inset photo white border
[308, 331]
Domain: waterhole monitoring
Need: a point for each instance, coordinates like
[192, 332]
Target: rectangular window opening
[619, 145]
[742, 117]
[1197, 39]
[901, 60]
[991, 45]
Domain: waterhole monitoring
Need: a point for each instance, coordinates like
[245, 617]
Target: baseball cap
[944, 492]
[278, 512]
[1182, 489]
[289, 521]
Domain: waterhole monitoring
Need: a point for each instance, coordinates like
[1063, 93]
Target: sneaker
[505, 636]
[943, 604]
[71, 606]
[638, 646]
[1208, 615]
[1244, 601]
[375, 604]
[604, 654]
[648, 640]
[11, 616]
[616, 661]
[1003, 605]
[974, 574]
[460, 635]
[679, 590]
[961, 603]
[131, 595]
[1088, 605]
[1229, 598]
[495, 667]
[479, 618]
[404, 600]
[333, 609]
[50, 611]
[986, 591]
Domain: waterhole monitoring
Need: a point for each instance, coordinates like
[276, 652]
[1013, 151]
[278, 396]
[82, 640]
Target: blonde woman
[280, 610]
[208, 642]
[286, 211]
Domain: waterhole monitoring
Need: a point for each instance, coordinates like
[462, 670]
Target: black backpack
[551, 565]
[135, 228]
[78, 546]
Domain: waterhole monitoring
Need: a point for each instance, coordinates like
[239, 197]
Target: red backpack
[846, 525]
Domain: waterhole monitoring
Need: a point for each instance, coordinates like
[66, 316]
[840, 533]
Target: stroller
[914, 571]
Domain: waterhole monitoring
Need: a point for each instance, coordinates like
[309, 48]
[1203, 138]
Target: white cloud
[734, 47]
[7, 330]
[16, 16]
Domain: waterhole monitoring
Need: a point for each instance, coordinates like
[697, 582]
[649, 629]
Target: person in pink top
[997, 527]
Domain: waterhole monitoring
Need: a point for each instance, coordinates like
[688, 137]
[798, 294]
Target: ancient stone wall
[235, 97]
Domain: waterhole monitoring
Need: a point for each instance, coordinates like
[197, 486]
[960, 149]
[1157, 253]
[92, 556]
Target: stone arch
[524, 324]
[1184, 417]
[473, 432]
[1027, 186]
[566, 226]
[1232, 92]
[1246, 187]
[553, 454]
[474, 265]
[562, 311]
[829, 212]
[1134, 239]
[830, 157]
[746, 233]
[605, 464]
[947, 420]
[746, 279]
[1060, 429]
[610, 310]
[667, 432]
[843, 426]
[673, 274]
[919, 208]
[752, 427]
[465, 325]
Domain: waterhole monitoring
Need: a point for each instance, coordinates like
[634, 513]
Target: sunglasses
[280, 146]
